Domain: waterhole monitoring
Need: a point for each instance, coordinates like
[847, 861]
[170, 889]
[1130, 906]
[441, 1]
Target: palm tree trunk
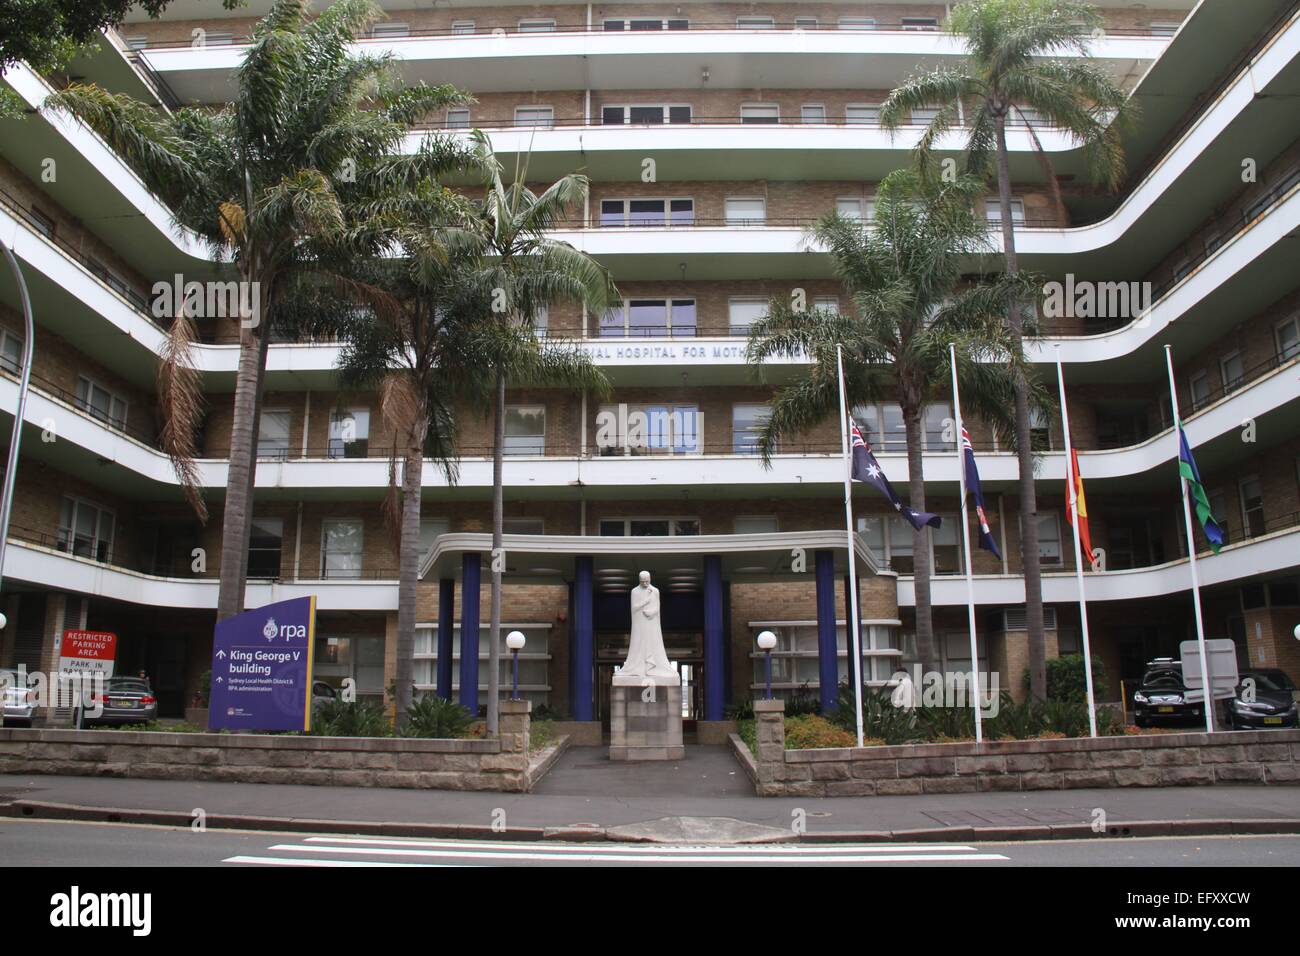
[1024, 451]
[498, 558]
[920, 539]
[241, 473]
[408, 569]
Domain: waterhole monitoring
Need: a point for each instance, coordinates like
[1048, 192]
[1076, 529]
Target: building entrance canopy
[674, 562]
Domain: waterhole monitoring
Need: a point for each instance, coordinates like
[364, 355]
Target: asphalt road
[31, 843]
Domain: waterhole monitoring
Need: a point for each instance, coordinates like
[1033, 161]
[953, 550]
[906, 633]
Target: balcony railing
[512, 28]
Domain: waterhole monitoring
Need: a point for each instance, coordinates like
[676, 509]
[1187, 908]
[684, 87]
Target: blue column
[715, 646]
[446, 628]
[827, 666]
[584, 639]
[470, 573]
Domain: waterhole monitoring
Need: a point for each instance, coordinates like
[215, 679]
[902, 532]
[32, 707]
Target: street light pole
[16, 437]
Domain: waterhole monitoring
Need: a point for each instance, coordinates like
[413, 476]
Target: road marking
[286, 861]
[649, 855]
[588, 849]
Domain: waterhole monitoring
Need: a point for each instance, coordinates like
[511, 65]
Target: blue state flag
[977, 493]
[866, 468]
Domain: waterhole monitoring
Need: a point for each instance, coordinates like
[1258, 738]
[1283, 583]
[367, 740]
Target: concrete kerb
[43, 810]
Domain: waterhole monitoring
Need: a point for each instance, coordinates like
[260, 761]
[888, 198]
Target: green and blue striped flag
[1200, 500]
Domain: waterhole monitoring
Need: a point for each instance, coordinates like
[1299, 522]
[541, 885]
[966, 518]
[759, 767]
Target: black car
[1265, 698]
[124, 700]
[1162, 696]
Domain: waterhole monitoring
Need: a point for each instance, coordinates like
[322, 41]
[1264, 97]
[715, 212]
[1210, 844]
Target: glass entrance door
[684, 648]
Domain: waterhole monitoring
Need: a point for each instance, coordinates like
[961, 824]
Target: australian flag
[973, 485]
[866, 468]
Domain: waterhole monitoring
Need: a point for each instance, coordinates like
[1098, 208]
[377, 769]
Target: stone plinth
[641, 729]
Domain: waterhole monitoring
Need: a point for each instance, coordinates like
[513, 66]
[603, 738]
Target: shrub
[946, 723]
[434, 716]
[1066, 717]
[1110, 722]
[747, 728]
[540, 735]
[803, 701]
[1014, 721]
[337, 718]
[744, 710]
[1065, 678]
[880, 718]
[812, 732]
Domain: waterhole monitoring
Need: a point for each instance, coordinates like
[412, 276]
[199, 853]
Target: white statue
[647, 661]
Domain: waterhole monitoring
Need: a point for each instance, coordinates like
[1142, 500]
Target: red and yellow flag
[1085, 537]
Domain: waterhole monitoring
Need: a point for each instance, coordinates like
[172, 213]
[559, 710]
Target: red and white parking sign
[88, 652]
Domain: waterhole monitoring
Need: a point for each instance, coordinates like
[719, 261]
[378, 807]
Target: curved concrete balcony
[580, 56]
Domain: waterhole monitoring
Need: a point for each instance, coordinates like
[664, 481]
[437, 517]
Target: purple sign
[261, 668]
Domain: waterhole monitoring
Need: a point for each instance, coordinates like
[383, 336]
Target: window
[863, 114]
[924, 117]
[646, 23]
[1252, 506]
[827, 303]
[430, 530]
[137, 43]
[812, 113]
[648, 429]
[1233, 371]
[458, 118]
[1199, 386]
[755, 23]
[535, 116]
[746, 211]
[273, 433]
[1288, 338]
[101, 403]
[390, 30]
[744, 312]
[758, 113]
[648, 527]
[939, 424]
[945, 546]
[993, 211]
[536, 26]
[462, 27]
[653, 114]
[525, 430]
[11, 352]
[1049, 537]
[1024, 116]
[805, 23]
[920, 23]
[265, 543]
[42, 223]
[341, 548]
[86, 529]
[349, 433]
[1164, 28]
[649, 318]
[747, 424]
[883, 426]
[1040, 430]
[541, 319]
[851, 207]
[647, 212]
[1213, 243]
[857, 23]
[214, 39]
[756, 524]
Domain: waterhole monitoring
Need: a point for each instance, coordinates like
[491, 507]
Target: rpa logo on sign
[271, 630]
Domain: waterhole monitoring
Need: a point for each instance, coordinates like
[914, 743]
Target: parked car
[1271, 701]
[1162, 696]
[125, 700]
[322, 693]
[19, 700]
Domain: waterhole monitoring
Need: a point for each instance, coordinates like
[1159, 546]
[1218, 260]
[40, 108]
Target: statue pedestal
[642, 729]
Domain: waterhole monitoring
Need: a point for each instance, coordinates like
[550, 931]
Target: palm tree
[415, 338]
[525, 271]
[1009, 68]
[903, 276]
[265, 182]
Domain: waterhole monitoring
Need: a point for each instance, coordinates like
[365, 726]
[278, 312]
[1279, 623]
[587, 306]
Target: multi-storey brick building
[759, 117]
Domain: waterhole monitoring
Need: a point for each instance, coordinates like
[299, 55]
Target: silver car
[20, 701]
[126, 700]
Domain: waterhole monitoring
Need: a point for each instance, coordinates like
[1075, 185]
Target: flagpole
[854, 627]
[1208, 702]
[965, 538]
[1071, 477]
